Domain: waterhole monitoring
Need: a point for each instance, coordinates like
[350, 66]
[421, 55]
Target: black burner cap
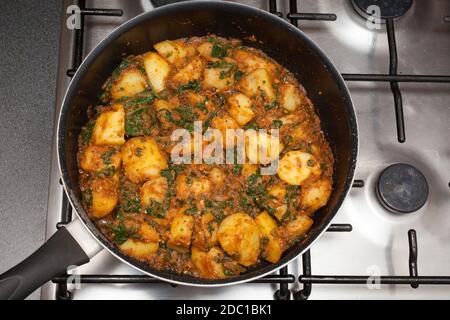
[402, 188]
[388, 8]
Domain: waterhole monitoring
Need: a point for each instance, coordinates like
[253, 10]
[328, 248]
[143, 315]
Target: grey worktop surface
[28, 64]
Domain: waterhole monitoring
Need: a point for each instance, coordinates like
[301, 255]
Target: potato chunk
[268, 228]
[154, 190]
[224, 122]
[298, 227]
[262, 148]
[208, 263]
[258, 83]
[241, 108]
[176, 52]
[139, 249]
[296, 166]
[157, 70]
[291, 97]
[239, 236]
[193, 71]
[205, 49]
[149, 233]
[195, 187]
[98, 158]
[316, 195]
[248, 169]
[130, 83]
[181, 232]
[142, 159]
[219, 78]
[109, 128]
[249, 62]
[210, 227]
[104, 196]
[278, 194]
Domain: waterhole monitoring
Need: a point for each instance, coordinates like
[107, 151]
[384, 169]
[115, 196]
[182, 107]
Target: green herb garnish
[106, 156]
[156, 209]
[219, 51]
[87, 197]
[277, 124]
[272, 105]
[86, 132]
[193, 85]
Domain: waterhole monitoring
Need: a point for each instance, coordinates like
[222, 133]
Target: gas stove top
[391, 237]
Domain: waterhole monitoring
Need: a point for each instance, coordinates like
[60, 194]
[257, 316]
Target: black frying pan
[283, 42]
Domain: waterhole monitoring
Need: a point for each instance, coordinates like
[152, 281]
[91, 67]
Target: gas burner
[160, 3]
[402, 188]
[389, 9]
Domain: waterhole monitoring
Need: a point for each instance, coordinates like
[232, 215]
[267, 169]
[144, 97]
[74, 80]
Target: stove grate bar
[397, 77]
[283, 278]
[408, 280]
[414, 280]
[79, 33]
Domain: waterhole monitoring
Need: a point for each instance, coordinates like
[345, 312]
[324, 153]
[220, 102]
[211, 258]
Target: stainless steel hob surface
[378, 243]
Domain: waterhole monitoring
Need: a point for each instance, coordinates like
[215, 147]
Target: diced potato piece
[291, 119]
[109, 128]
[97, 158]
[222, 123]
[130, 83]
[104, 196]
[219, 78]
[302, 131]
[192, 186]
[157, 70]
[208, 263]
[160, 105]
[175, 52]
[262, 148]
[181, 233]
[241, 108]
[248, 169]
[278, 194]
[291, 97]
[268, 228]
[296, 166]
[205, 49]
[195, 98]
[278, 191]
[210, 227]
[316, 195]
[139, 249]
[239, 236]
[154, 189]
[248, 61]
[299, 226]
[149, 233]
[193, 71]
[280, 212]
[142, 159]
[267, 225]
[273, 250]
[258, 83]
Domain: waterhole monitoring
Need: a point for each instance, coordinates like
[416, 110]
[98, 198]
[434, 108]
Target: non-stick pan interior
[280, 40]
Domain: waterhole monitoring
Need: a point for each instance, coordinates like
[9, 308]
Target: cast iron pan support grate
[283, 279]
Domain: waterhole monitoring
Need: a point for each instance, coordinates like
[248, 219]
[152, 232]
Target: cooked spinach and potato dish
[204, 220]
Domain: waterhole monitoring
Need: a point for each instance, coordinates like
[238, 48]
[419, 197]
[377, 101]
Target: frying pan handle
[51, 259]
